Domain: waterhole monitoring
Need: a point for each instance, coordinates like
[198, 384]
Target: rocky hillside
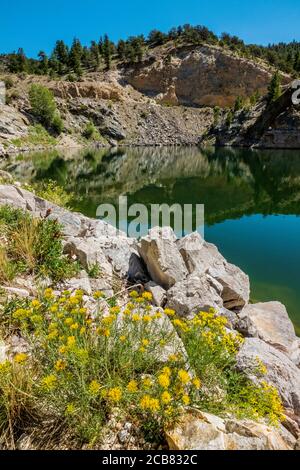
[275, 125]
[199, 76]
[187, 276]
[166, 99]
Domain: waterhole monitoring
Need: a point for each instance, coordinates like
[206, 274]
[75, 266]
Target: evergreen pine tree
[107, 52]
[44, 62]
[274, 90]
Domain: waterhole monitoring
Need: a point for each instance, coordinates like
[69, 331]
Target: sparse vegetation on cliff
[102, 53]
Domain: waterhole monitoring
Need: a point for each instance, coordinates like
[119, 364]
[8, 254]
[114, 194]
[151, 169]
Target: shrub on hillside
[44, 107]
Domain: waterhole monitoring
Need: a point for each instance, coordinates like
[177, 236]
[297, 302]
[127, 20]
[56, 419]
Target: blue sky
[36, 24]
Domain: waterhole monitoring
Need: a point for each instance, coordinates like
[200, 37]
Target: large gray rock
[194, 294]
[162, 257]
[89, 252]
[158, 293]
[281, 371]
[203, 257]
[118, 251]
[197, 430]
[270, 322]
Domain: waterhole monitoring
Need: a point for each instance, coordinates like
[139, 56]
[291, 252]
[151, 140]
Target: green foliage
[52, 192]
[42, 103]
[229, 118]
[32, 246]
[274, 90]
[57, 123]
[37, 135]
[83, 369]
[216, 115]
[91, 132]
[239, 104]
[43, 107]
[94, 271]
[212, 354]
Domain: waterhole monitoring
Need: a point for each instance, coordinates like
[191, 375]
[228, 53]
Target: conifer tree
[274, 90]
[107, 52]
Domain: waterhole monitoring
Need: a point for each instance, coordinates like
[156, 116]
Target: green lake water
[251, 198]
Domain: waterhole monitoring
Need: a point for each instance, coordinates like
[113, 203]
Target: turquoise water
[251, 198]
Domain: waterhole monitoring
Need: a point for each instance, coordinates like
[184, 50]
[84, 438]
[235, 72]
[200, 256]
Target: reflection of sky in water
[267, 248]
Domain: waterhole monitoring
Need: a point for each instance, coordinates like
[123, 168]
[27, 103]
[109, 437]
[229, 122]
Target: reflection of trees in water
[230, 182]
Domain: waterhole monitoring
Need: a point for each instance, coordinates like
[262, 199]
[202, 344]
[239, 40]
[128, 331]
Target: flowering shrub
[84, 365]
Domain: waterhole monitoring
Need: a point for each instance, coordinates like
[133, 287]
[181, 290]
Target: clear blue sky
[36, 24]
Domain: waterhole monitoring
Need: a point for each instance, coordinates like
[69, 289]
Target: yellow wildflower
[20, 358]
[70, 409]
[133, 294]
[166, 397]
[74, 300]
[145, 342]
[35, 303]
[147, 318]
[166, 370]
[147, 295]
[132, 386]
[52, 335]
[136, 317]
[184, 376]
[71, 341]
[103, 332]
[173, 358]
[149, 403]
[123, 338]
[49, 382]
[68, 321]
[94, 387]
[186, 400]
[74, 326]
[169, 312]
[147, 382]
[114, 394]
[60, 365]
[114, 310]
[197, 383]
[98, 295]
[164, 380]
[82, 330]
[63, 349]
[36, 318]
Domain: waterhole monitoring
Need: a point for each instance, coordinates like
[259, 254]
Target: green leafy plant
[43, 107]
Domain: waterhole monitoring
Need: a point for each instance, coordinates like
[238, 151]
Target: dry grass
[24, 241]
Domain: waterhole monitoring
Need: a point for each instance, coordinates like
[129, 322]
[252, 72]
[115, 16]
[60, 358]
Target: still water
[251, 198]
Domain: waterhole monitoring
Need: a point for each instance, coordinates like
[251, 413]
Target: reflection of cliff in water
[230, 182]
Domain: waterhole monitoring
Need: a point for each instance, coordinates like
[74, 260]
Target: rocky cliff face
[200, 76]
[165, 100]
[275, 125]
